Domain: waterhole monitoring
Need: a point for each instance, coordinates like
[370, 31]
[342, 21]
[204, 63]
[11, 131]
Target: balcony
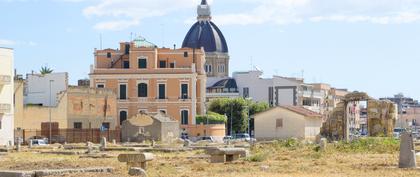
[179, 70]
[5, 79]
[156, 100]
[223, 95]
[310, 94]
[5, 108]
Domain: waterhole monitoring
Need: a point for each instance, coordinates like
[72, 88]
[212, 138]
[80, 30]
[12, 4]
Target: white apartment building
[43, 89]
[282, 91]
[6, 96]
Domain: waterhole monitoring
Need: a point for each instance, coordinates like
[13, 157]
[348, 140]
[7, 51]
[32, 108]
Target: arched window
[184, 117]
[123, 116]
[142, 90]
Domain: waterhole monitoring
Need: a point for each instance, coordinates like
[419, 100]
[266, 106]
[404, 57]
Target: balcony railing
[312, 94]
[5, 108]
[231, 94]
[156, 99]
[5, 79]
[142, 71]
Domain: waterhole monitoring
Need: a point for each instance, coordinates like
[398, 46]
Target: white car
[244, 137]
[397, 132]
[39, 142]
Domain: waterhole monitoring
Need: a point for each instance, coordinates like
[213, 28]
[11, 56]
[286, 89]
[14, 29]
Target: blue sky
[363, 45]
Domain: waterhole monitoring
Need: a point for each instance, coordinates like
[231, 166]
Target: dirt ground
[277, 161]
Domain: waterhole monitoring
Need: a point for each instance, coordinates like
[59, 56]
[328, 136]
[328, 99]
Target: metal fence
[69, 135]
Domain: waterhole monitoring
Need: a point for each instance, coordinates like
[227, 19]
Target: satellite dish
[257, 68]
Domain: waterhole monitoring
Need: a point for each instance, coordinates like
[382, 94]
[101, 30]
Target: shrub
[371, 144]
[289, 143]
[211, 118]
[258, 157]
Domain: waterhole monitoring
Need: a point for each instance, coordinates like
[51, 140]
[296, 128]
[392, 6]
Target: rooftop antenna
[252, 65]
[302, 72]
[100, 41]
[131, 36]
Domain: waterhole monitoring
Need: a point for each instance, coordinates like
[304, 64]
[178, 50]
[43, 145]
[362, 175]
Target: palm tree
[45, 70]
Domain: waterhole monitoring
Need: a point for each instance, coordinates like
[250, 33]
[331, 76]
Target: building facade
[77, 108]
[6, 96]
[43, 89]
[149, 79]
[403, 102]
[205, 34]
[224, 88]
[285, 122]
[409, 118]
[287, 91]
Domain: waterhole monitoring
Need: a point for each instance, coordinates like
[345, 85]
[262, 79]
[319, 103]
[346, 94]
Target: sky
[364, 45]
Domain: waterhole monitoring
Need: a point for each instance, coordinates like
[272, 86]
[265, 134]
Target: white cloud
[122, 14]
[6, 42]
[127, 13]
[351, 11]
[115, 25]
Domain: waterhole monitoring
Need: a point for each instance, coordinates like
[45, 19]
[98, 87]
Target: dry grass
[280, 160]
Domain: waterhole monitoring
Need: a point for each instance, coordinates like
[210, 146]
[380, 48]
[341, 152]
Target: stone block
[232, 157]
[215, 158]
[143, 157]
[17, 174]
[245, 154]
[41, 173]
[323, 144]
[30, 144]
[103, 143]
[407, 152]
[134, 171]
[136, 160]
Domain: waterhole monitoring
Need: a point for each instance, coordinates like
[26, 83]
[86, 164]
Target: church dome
[205, 33]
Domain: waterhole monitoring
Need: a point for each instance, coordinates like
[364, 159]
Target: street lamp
[247, 115]
[49, 110]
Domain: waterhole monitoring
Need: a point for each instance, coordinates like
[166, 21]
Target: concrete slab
[17, 174]
[41, 173]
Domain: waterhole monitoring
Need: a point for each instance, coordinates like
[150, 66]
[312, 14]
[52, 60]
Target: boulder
[135, 171]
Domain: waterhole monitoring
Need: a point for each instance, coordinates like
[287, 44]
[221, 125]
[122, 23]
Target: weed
[258, 157]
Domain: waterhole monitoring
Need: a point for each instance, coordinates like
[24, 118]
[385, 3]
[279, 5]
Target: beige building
[410, 117]
[6, 96]
[158, 127]
[285, 122]
[77, 107]
[150, 80]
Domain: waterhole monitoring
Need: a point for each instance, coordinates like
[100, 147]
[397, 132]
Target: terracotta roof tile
[302, 111]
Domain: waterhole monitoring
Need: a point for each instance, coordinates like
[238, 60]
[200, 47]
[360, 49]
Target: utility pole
[231, 122]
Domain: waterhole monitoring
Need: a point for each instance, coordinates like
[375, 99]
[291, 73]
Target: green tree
[237, 110]
[45, 70]
[211, 118]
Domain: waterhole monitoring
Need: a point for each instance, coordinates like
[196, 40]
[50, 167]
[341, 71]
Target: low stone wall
[41, 173]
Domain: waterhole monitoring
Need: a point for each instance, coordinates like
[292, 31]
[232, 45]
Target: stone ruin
[381, 118]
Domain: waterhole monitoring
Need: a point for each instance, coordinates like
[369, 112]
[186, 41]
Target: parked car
[206, 138]
[244, 137]
[39, 142]
[397, 132]
[416, 135]
[227, 138]
[37, 138]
